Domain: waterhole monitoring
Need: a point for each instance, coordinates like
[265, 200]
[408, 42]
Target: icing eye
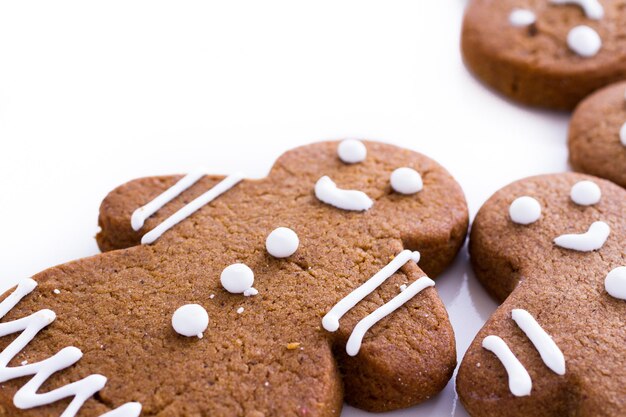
[406, 181]
[190, 320]
[525, 210]
[522, 17]
[238, 279]
[352, 151]
[585, 193]
[622, 134]
[584, 41]
[282, 242]
[615, 283]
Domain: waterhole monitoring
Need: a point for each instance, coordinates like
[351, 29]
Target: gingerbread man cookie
[547, 53]
[552, 248]
[233, 297]
[597, 134]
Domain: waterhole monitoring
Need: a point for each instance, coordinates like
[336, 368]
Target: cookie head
[547, 53]
[555, 345]
[212, 293]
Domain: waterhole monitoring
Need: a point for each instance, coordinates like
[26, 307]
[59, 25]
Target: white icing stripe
[592, 239]
[520, 383]
[327, 192]
[142, 213]
[27, 396]
[220, 188]
[593, 8]
[549, 351]
[356, 338]
[330, 321]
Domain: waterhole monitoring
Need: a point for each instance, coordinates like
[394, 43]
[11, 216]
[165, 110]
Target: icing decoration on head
[27, 396]
[406, 181]
[190, 320]
[282, 242]
[327, 192]
[238, 279]
[525, 210]
[615, 283]
[584, 40]
[225, 185]
[622, 134]
[351, 151]
[548, 350]
[591, 240]
[592, 8]
[520, 383]
[586, 193]
[522, 17]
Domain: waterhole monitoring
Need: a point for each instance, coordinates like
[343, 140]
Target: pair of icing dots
[526, 210]
[582, 39]
[330, 321]
[520, 382]
[403, 180]
[28, 395]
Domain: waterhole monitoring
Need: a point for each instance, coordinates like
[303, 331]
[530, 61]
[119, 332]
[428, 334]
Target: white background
[93, 94]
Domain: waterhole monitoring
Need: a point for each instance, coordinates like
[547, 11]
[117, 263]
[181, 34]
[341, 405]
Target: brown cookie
[267, 354]
[547, 53]
[552, 249]
[597, 134]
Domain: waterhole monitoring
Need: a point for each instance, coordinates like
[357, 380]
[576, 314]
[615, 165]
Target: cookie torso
[263, 355]
[597, 134]
[564, 290]
[526, 49]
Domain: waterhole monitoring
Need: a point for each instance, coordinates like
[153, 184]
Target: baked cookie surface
[552, 249]
[269, 353]
[547, 53]
[597, 134]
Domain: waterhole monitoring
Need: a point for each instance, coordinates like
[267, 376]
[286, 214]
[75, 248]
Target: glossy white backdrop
[93, 94]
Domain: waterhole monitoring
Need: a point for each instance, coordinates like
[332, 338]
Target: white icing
[352, 151]
[592, 239]
[522, 17]
[220, 188]
[240, 310]
[140, 215]
[525, 210]
[593, 8]
[356, 338]
[282, 242]
[586, 193]
[622, 134]
[548, 350]
[327, 192]
[237, 278]
[406, 181]
[330, 322]
[126, 410]
[190, 320]
[250, 292]
[615, 283]
[27, 396]
[584, 41]
[520, 383]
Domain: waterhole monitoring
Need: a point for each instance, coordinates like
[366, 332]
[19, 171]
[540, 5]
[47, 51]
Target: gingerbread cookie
[232, 297]
[547, 53]
[552, 248]
[597, 134]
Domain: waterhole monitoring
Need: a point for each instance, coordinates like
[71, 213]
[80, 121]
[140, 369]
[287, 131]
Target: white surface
[95, 94]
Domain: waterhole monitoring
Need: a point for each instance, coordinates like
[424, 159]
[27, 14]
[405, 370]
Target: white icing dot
[237, 278]
[56, 291]
[585, 193]
[525, 210]
[351, 151]
[250, 292]
[615, 283]
[282, 242]
[622, 134]
[584, 41]
[406, 181]
[521, 17]
[190, 320]
[240, 310]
